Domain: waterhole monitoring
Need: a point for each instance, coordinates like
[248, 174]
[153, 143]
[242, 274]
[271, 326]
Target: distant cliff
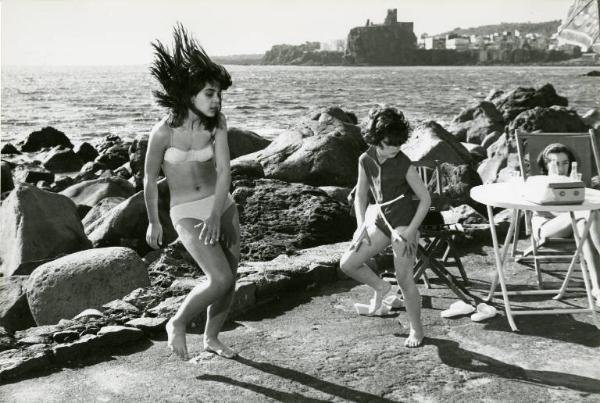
[305, 54]
[389, 44]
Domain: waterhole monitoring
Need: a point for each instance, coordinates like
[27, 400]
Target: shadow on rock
[560, 327]
[343, 392]
[453, 355]
[267, 392]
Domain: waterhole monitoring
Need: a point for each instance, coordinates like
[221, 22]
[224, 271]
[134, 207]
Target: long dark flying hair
[182, 73]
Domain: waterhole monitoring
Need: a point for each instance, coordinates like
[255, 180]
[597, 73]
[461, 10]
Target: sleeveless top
[391, 191]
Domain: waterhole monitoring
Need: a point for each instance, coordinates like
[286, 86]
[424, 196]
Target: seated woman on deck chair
[557, 159]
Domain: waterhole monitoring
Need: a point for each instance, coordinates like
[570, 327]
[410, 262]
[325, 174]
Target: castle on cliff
[390, 43]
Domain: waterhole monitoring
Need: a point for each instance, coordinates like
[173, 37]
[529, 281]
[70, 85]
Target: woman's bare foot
[216, 347]
[377, 299]
[414, 339]
[176, 338]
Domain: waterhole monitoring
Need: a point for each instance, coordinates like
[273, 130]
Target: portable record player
[553, 190]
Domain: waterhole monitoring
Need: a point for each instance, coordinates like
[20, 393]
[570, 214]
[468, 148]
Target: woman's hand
[407, 240]
[154, 235]
[211, 230]
[360, 236]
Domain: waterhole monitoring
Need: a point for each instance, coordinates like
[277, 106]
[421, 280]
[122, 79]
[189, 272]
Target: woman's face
[208, 99]
[558, 163]
[386, 150]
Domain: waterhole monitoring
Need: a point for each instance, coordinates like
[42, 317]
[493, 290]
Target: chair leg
[513, 252]
[455, 255]
[536, 263]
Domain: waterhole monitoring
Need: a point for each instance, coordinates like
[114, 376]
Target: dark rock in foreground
[277, 217]
[66, 286]
[9, 149]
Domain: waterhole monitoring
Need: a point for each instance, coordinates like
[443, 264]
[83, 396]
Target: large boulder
[88, 279]
[430, 142]
[520, 99]
[555, 119]
[6, 180]
[35, 225]
[126, 223]
[33, 176]
[242, 142]
[474, 123]
[46, 138]
[324, 153]
[62, 160]
[14, 309]
[100, 210]
[89, 193]
[277, 217]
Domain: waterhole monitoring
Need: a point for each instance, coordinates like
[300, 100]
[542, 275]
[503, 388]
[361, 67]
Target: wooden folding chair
[435, 235]
[529, 146]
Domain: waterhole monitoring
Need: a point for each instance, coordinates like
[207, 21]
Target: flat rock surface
[311, 346]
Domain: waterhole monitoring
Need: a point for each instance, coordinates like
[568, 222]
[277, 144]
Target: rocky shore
[77, 275]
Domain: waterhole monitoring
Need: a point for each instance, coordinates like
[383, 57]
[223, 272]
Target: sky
[119, 32]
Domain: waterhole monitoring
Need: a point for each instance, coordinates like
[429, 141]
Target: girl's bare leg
[353, 264]
[219, 310]
[220, 280]
[404, 262]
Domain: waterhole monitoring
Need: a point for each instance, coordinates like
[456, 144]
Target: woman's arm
[362, 196]
[211, 230]
[154, 156]
[420, 190]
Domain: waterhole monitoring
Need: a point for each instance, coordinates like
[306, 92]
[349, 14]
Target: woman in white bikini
[191, 146]
[387, 172]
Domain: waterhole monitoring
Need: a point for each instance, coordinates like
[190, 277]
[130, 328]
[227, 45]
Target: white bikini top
[175, 155]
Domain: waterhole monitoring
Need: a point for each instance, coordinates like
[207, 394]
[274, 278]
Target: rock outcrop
[64, 287]
[36, 224]
[46, 138]
[476, 122]
[430, 142]
[89, 193]
[278, 217]
[520, 99]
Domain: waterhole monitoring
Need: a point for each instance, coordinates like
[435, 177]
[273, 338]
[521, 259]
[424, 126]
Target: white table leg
[510, 235]
[500, 262]
[584, 270]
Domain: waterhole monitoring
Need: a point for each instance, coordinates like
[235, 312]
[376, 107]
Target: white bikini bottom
[199, 209]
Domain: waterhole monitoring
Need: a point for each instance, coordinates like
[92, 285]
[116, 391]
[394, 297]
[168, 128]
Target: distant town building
[435, 42]
[456, 42]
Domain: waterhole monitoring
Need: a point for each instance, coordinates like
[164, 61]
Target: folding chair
[529, 146]
[436, 235]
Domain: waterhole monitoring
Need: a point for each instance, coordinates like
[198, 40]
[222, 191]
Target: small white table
[508, 195]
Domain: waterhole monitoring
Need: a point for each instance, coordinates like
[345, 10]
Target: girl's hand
[211, 230]
[154, 235]
[360, 236]
[408, 242]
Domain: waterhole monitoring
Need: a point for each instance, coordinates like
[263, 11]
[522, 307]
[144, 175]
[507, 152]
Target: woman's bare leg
[219, 310]
[353, 264]
[219, 282]
[404, 262]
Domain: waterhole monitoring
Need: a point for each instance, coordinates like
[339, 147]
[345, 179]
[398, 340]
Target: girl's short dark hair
[386, 122]
[555, 148]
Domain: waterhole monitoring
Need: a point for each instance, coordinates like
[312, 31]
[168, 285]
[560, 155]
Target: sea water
[88, 102]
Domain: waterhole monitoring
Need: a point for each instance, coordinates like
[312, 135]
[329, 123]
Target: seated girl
[387, 172]
[557, 159]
